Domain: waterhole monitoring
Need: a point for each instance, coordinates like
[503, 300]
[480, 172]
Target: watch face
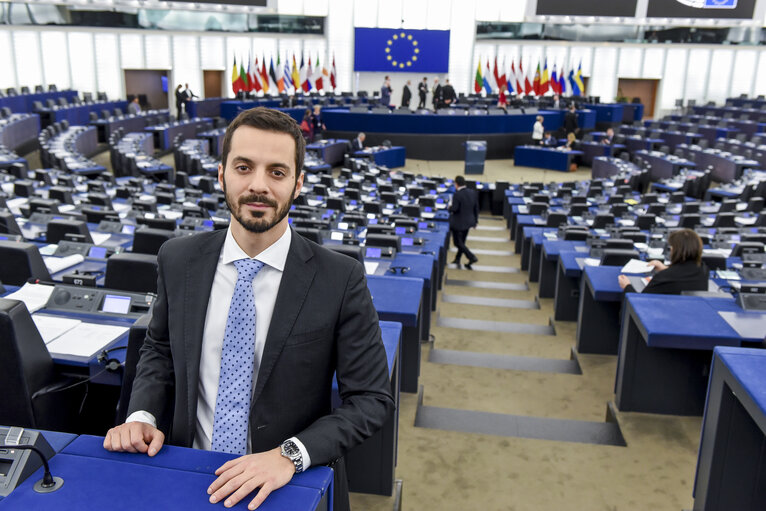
[291, 449]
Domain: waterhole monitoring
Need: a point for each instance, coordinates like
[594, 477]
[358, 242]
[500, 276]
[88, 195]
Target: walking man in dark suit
[406, 94]
[423, 92]
[249, 326]
[570, 121]
[464, 214]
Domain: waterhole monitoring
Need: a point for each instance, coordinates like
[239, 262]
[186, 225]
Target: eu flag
[402, 50]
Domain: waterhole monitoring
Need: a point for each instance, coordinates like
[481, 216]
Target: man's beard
[256, 222]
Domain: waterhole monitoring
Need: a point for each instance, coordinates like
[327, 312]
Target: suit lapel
[200, 272]
[295, 284]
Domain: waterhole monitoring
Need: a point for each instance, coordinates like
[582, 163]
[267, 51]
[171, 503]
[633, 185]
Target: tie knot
[247, 268]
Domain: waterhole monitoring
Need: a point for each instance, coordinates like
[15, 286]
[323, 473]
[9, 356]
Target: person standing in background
[538, 130]
[133, 107]
[406, 94]
[180, 100]
[448, 94]
[385, 92]
[437, 95]
[464, 214]
[570, 121]
[423, 92]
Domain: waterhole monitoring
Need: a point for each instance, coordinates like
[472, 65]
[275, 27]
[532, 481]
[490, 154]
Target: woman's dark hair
[267, 119]
[307, 114]
[686, 245]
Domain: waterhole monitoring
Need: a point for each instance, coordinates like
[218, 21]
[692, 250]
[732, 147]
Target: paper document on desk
[86, 339]
[745, 221]
[57, 264]
[35, 296]
[591, 261]
[370, 267]
[636, 266]
[100, 237]
[15, 204]
[51, 327]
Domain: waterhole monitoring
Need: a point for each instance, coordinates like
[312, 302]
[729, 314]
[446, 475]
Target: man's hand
[237, 478]
[134, 437]
[623, 281]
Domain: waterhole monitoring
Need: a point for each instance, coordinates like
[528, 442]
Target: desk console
[108, 303]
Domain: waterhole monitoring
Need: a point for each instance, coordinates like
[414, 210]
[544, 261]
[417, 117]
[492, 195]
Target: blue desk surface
[686, 322]
[176, 478]
[543, 157]
[603, 281]
[396, 299]
[748, 366]
[552, 248]
[568, 260]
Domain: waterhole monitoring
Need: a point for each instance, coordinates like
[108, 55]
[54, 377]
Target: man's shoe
[468, 265]
[455, 261]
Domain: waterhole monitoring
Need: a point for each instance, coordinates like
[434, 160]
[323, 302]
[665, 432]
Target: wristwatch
[290, 451]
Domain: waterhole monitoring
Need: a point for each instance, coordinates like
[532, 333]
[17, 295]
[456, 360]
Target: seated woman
[572, 144]
[686, 271]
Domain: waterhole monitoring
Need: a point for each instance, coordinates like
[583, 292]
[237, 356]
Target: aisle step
[484, 251]
[487, 285]
[491, 302]
[488, 239]
[495, 326]
[508, 362]
[485, 267]
[490, 228]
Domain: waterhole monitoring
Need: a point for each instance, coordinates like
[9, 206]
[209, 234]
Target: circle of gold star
[405, 38]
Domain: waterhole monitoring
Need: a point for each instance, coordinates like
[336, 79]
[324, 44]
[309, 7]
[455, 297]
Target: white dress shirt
[265, 287]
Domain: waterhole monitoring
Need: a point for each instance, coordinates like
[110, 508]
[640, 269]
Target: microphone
[48, 483]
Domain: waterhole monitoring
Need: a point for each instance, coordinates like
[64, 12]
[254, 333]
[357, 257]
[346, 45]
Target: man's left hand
[237, 478]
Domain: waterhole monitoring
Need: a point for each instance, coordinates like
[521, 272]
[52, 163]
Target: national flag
[490, 78]
[333, 74]
[573, 83]
[486, 75]
[302, 74]
[544, 79]
[578, 79]
[256, 77]
[536, 81]
[280, 75]
[562, 82]
[234, 77]
[244, 85]
[249, 76]
[496, 76]
[502, 77]
[264, 76]
[287, 79]
[296, 75]
[478, 81]
[555, 81]
[527, 84]
[318, 71]
[515, 78]
[273, 86]
[306, 83]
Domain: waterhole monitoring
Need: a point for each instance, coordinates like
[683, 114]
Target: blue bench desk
[370, 466]
[399, 299]
[598, 319]
[544, 158]
[549, 258]
[330, 150]
[567, 297]
[665, 350]
[531, 247]
[391, 157]
[730, 466]
[176, 478]
[523, 221]
[593, 150]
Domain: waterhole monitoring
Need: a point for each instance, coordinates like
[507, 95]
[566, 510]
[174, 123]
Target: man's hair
[460, 180]
[687, 246]
[267, 119]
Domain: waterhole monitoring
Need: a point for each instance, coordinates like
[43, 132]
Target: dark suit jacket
[677, 278]
[448, 94]
[464, 210]
[570, 122]
[323, 322]
[406, 95]
[356, 145]
[422, 89]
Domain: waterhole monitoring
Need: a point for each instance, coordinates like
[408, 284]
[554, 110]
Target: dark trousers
[422, 103]
[458, 238]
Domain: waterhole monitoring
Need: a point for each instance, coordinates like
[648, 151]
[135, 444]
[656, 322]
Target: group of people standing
[442, 96]
[183, 97]
[312, 126]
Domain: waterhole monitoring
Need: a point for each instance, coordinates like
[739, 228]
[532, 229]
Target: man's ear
[298, 185]
[220, 175]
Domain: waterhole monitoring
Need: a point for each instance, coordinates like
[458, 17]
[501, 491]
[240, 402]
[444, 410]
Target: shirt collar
[274, 256]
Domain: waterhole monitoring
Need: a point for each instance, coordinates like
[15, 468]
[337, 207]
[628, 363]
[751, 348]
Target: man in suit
[437, 100]
[609, 138]
[548, 140]
[406, 94]
[556, 102]
[133, 107]
[423, 92]
[358, 143]
[385, 92]
[189, 94]
[448, 93]
[570, 121]
[249, 326]
[464, 214]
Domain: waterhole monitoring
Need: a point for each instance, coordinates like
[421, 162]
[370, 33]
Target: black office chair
[747, 247]
[8, 224]
[619, 243]
[381, 229]
[689, 221]
[635, 237]
[537, 208]
[602, 220]
[352, 251]
[576, 235]
[555, 219]
[34, 394]
[725, 220]
[132, 272]
[336, 204]
[310, 233]
[65, 229]
[384, 240]
[21, 261]
[617, 256]
[148, 240]
[136, 338]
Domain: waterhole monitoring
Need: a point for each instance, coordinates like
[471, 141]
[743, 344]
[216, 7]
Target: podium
[475, 154]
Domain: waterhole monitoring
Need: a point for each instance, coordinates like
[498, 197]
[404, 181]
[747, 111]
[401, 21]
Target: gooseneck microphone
[48, 483]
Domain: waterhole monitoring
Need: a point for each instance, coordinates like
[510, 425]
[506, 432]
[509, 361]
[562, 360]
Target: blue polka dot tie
[232, 406]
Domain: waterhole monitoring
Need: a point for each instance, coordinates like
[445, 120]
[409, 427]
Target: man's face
[259, 178]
